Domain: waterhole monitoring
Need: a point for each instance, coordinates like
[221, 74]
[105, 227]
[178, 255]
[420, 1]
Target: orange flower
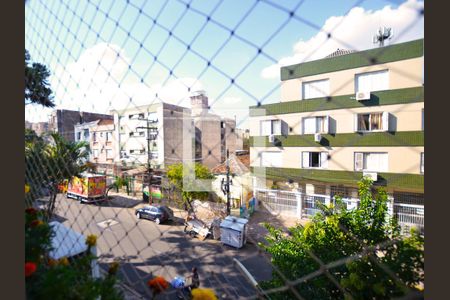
[158, 284]
[36, 223]
[30, 268]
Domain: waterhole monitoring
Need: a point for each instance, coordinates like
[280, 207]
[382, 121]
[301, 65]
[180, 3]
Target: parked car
[157, 213]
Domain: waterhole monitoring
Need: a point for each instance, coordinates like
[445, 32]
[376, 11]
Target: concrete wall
[402, 74]
[209, 128]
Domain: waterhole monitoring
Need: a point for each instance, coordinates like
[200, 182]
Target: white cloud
[98, 81]
[355, 31]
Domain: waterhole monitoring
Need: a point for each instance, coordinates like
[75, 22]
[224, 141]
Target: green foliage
[48, 165]
[175, 173]
[367, 234]
[63, 279]
[37, 88]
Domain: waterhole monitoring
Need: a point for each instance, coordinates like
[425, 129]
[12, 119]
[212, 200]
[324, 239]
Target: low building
[63, 121]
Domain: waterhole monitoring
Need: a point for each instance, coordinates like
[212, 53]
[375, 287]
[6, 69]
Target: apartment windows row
[363, 161]
[364, 122]
[152, 117]
[108, 153]
[107, 136]
[364, 82]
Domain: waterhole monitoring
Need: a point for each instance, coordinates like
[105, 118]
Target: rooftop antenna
[382, 35]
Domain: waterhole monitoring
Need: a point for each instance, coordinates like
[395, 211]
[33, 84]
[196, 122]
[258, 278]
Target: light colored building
[156, 133]
[213, 134]
[103, 145]
[63, 121]
[342, 116]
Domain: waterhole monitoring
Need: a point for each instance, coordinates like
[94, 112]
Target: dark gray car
[157, 213]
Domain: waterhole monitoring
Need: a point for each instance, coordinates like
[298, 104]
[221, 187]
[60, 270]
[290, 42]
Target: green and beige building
[341, 117]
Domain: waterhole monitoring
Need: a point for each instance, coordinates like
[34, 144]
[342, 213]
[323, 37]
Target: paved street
[146, 248]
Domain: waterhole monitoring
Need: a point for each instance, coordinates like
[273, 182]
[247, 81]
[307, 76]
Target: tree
[37, 88]
[366, 234]
[48, 165]
[175, 173]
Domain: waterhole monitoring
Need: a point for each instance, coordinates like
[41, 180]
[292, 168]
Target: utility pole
[226, 185]
[150, 137]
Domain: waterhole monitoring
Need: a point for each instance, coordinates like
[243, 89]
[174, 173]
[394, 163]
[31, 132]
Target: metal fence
[305, 206]
[112, 55]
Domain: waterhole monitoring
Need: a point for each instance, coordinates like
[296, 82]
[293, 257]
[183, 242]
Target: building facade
[341, 117]
[102, 143]
[155, 134]
[63, 121]
[214, 135]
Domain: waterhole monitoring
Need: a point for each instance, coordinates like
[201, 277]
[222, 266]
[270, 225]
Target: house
[241, 180]
[341, 117]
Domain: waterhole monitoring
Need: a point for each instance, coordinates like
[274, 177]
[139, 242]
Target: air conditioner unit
[272, 138]
[363, 95]
[317, 137]
[371, 175]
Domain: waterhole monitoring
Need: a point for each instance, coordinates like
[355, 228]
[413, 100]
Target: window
[315, 125]
[315, 160]
[95, 153]
[371, 161]
[86, 134]
[316, 89]
[94, 137]
[153, 117]
[154, 155]
[109, 136]
[78, 136]
[422, 162]
[271, 159]
[372, 81]
[372, 122]
[109, 154]
[269, 127]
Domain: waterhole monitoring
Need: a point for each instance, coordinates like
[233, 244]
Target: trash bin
[233, 231]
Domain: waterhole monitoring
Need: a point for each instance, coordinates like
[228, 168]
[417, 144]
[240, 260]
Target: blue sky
[112, 54]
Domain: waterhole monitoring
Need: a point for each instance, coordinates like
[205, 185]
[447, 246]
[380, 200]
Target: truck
[87, 188]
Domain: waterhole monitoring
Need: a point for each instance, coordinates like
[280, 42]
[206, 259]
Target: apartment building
[63, 121]
[214, 134]
[157, 133]
[349, 114]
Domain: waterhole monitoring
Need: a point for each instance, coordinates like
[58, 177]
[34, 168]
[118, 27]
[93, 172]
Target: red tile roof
[238, 165]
